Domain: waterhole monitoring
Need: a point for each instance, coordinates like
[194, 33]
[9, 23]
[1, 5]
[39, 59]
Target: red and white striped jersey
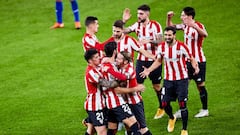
[128, 44]
[95, 100]
[113, 99]
[91, 41]
[135, 97]
[174, 58]
[194, 41]
[149, 31]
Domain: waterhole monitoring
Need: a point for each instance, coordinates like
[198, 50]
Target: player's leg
[133, 125]
[182, 92]
[97, 118]
[90, 129]
[112, 128]
[139, 69]
[129, 119]
[101, 130]
[59, 9]
[112, 122]
[138, 111]
[76, 13]
[155, 76]
[168, 95]
[172, 119]
[200, 82]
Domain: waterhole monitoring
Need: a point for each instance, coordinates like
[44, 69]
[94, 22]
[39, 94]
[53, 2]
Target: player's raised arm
[169, 22]
[126, 15]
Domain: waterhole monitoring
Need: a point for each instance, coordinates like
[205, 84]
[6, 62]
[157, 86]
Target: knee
[164, 104]
[203, 91]
[157, 87]
[182, 104]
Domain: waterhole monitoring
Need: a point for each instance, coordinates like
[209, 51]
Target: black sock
[159, 95]
[184, 113]
[86, 133]
[135, 129]
[129, 133]
[168, 110]
[204, 97]
[111, 131]
[147, 133]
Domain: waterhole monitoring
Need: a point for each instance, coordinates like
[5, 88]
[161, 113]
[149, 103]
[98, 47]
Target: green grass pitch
[41, 70]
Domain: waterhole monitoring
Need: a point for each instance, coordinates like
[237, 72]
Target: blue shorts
[155, 76]
[200, 77]
[138, 111]
[173, 90]
[97, 118]
[119, 113]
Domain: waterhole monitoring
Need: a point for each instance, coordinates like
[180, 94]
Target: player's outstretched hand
[126, 15]
[140, 88]
[196, 70]
[144, 73]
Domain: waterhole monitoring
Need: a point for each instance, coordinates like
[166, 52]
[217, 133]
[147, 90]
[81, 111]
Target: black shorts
[155, 76]
[119, 113]
[138, 111]
[97, 118]
[200, 77]
[173, 90]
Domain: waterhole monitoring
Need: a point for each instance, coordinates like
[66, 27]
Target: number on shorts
[126, 109]
[100, 117]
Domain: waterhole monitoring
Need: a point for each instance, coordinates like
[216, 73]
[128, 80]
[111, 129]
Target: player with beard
[126, 42]
[149, 33]
[194, 34]
[134, 99]
[174, 54]
[118, 109]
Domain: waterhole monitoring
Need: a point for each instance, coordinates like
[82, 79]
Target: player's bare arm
[123, 90]
[126, 15]
[147, 71]
[169, 22]
[147, 54]
[201, 32]
[108, 84]
[194, 65]
[155, 41]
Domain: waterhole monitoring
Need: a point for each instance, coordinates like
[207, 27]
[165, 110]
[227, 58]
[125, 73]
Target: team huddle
[114, 84]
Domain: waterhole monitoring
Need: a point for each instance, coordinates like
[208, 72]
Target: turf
[41, 70]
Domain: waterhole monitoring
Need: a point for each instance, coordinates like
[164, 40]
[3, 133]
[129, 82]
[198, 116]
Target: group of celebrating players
[114, 84]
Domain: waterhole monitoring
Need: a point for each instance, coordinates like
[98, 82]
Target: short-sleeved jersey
[149, 31]
[128, 44]
[194, 41]
[134, 97]
[91, 41]
[95, 100]
[174, 58]
[113, 99]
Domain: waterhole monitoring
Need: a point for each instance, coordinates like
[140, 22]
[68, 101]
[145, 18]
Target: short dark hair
[126, 55]
[189, 11]
[90, 53]
[119, 24]
[109, 48]
[89, 20]
[144, 7]
[173, 29]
